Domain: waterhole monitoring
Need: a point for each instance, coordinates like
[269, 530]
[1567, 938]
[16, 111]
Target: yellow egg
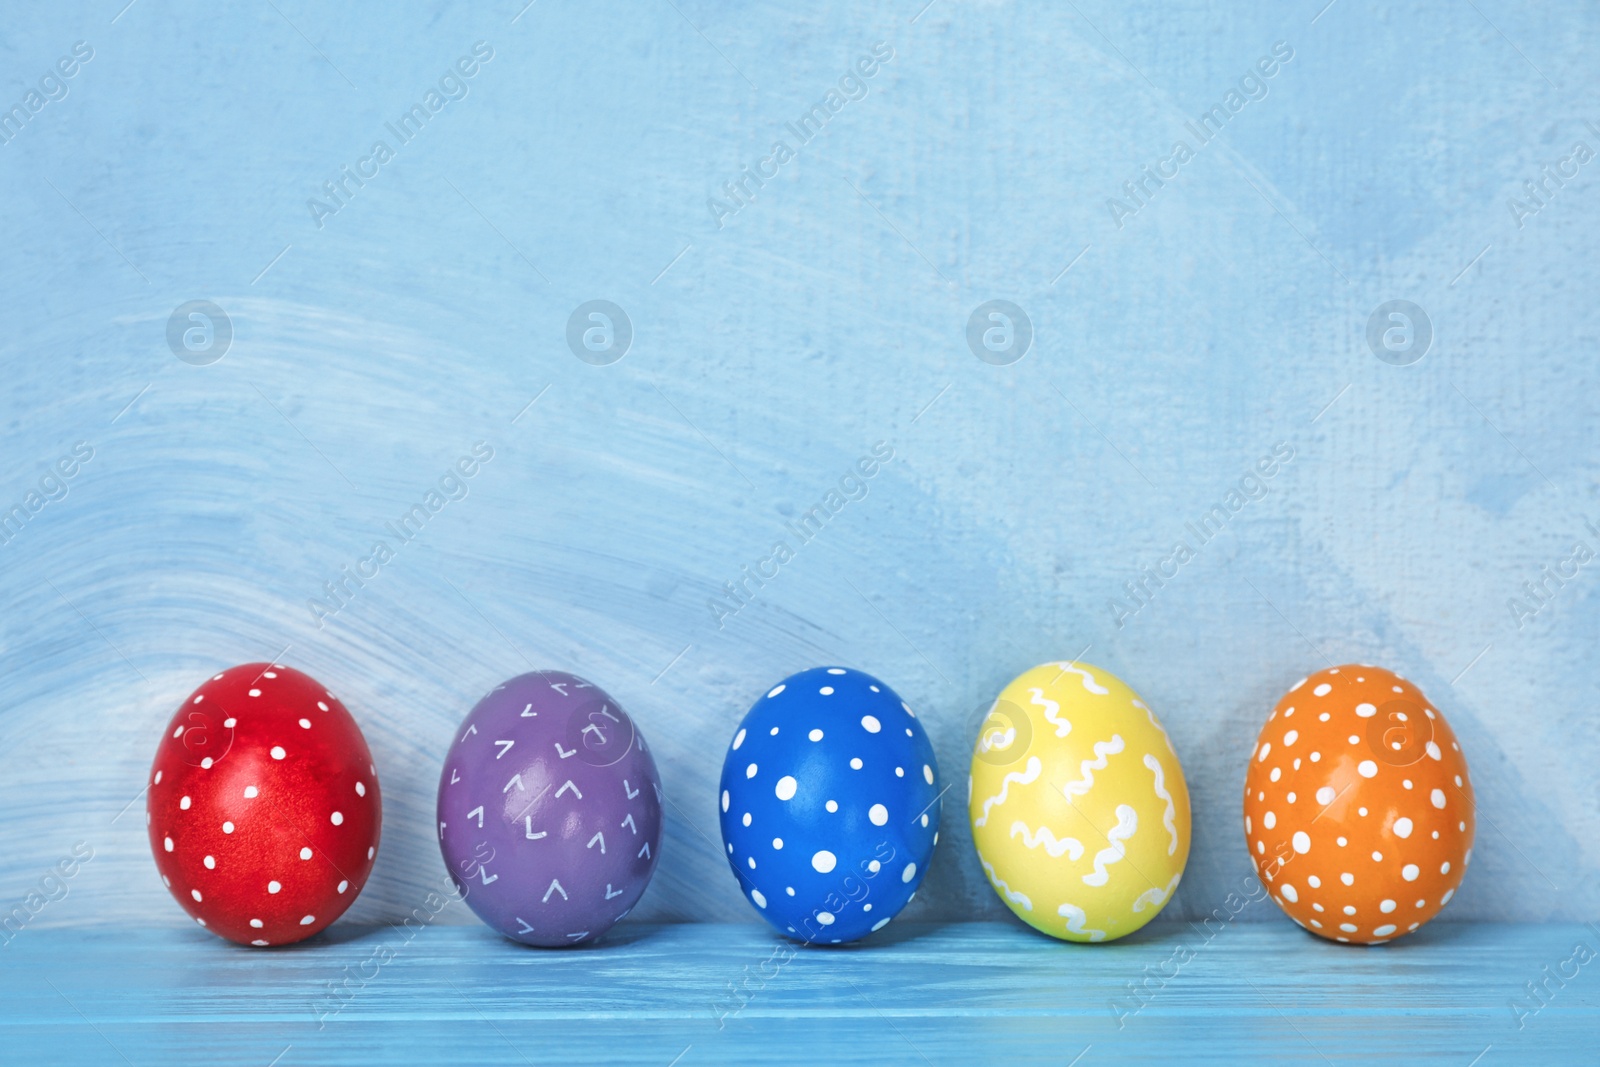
[1078, 805]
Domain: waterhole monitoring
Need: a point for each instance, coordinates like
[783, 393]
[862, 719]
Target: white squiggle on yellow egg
[1102, 750]
[1142, 706]
[1155, 895]
[1075, 920]
[1027, 777]
[1043, 837]
[1170, 816]
[1088, 679]
[1000, 886]
[1051, 712]
[993, 739]
[1127, 825]
[990, 738]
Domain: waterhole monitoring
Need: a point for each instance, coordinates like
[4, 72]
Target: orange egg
[1358, 812]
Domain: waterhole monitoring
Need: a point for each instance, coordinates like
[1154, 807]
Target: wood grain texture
[1227, 315]
[712, 993]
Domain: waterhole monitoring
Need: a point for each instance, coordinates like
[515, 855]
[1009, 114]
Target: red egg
[263, 806]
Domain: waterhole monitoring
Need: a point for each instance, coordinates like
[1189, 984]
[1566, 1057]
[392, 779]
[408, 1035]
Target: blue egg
[830, 805]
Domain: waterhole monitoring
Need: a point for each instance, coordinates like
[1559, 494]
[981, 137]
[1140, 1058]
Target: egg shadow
[888, 937]
[619, 936]
[1428, 935]
[332, 937]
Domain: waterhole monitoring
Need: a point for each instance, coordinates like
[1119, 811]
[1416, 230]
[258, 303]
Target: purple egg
[549, 810]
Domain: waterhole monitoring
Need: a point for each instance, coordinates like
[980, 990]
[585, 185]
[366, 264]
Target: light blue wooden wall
[1226, 315]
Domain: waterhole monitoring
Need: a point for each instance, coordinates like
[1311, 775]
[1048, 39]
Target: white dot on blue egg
[747, 818]
[756, 895]
[905, 876]
[786, 788]
[874, 866]
[871, 724]
[825, 861]
[825, 918]
[777, 842]
[878, 814]
[855, 763]
[738, 739]
[899, 772]
[790, 890]
[815, 735]
[750, 771]
[924, 820]
[874, 688]
[774, 731]
[724, 800]
[752, 862]
[927, 774]
[832, 805]
[774, 691]
[826, 690]
[835, 670]
[881, 923]
[909, 712]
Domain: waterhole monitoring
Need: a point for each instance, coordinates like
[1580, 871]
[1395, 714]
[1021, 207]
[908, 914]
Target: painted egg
[263, 807]
[550, 810]
[1358, 812]
[830, 805]
[1078, 804]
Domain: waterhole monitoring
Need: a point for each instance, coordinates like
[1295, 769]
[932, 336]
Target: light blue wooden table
[691, 994]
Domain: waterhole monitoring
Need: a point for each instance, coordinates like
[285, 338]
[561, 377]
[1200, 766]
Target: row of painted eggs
[264, 808]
